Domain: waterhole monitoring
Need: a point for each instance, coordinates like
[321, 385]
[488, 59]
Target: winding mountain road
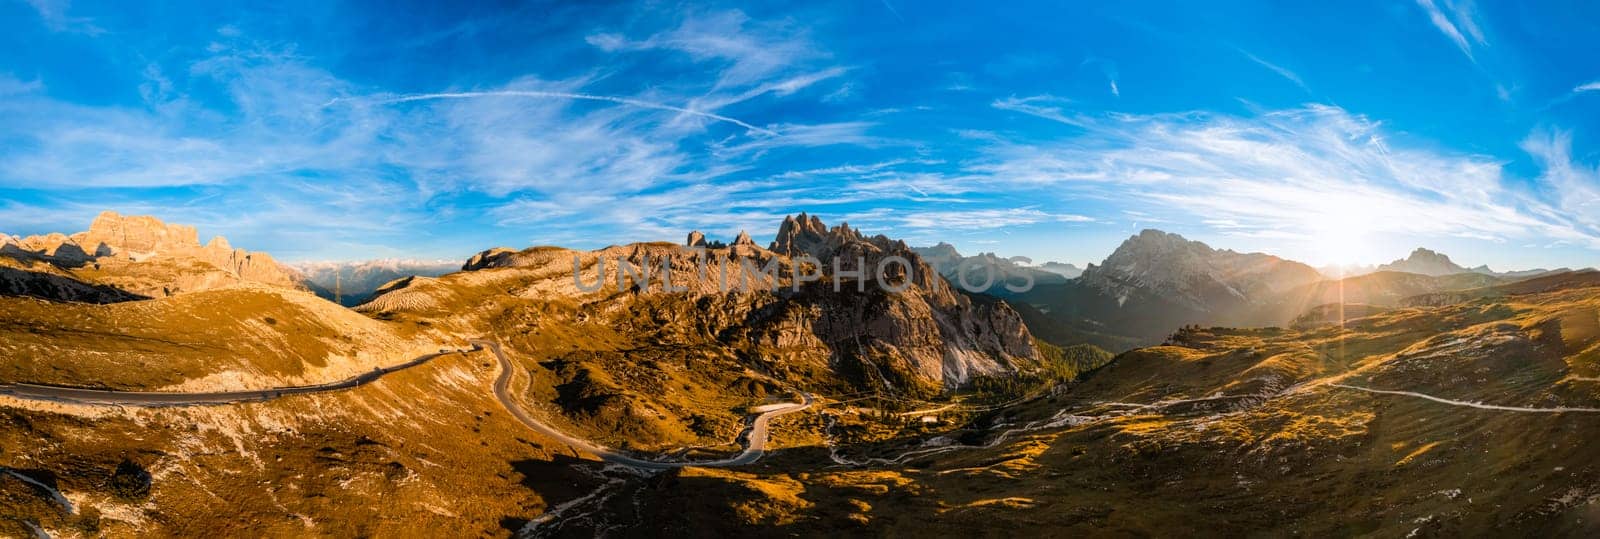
[754, 438]
[1466, 404]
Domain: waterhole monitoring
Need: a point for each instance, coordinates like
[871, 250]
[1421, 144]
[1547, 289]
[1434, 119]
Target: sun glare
[1341, 245]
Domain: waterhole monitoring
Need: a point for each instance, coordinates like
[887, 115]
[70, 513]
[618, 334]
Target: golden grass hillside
[242, 337]
[1227, 432]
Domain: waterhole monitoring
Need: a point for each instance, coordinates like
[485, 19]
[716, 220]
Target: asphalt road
[79, 395]
[754, 438]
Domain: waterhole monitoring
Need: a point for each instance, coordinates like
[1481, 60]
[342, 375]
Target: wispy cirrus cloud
[1458, 22]
[297, 138]
[751, 52]
[55, 16]
[1275, 68]
[1301, 172]
[1042, 106]
[1573, 185]
[562, 95]
[982, 219]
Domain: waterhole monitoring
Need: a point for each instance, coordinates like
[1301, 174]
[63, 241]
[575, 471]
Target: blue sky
[1345, 132]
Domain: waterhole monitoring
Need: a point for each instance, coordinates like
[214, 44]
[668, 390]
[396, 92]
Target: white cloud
[1462, 16]
[563, 95]
[1039, 106]
[1574, 186]
[751, 52]
[297, 150]
[932, 222]
[1307, 172]
[54, 14]
[1587, 87]
[1275, 68]
[10, 85]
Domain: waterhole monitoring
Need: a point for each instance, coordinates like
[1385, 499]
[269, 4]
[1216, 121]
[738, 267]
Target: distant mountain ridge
[1156, 282]
[353, 282]
[1424, 261]
[1067, 270]
[949, 262]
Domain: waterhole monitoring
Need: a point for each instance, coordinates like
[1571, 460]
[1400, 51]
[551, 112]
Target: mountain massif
[1156, 282]
[991, 274]
[922, 339]
[120, 257]
[1427, 262]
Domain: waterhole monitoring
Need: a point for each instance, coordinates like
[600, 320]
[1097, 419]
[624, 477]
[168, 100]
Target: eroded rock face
[138, 236]
[927, 336]
[145, 256]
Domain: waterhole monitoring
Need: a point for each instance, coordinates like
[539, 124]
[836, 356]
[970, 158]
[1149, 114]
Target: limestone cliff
[144, 256]
[926, 336]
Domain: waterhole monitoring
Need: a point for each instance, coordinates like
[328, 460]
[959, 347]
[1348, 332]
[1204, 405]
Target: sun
[1341, 245]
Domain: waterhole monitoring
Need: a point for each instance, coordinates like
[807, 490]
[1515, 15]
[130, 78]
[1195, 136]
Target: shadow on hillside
[559, 480]
[19, 282]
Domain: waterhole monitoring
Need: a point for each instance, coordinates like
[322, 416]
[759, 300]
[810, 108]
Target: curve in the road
[754, 438]
[1478, 405]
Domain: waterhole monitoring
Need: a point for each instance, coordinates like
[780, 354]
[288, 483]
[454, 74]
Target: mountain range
[1424, 261]
[984, 267]
[1156, 282]
[541, 391]
[352, 283]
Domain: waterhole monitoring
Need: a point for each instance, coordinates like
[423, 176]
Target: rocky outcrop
[925, 336]
[1427, 262]
[139, 237]
[145, 256]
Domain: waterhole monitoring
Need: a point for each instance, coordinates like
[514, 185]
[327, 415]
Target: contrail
[568, 95]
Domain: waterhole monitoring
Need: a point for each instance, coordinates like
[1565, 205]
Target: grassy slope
[423, 452]
[272, 335]
[1309, 459]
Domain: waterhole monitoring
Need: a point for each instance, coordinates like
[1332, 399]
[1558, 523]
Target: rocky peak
[1426, 262]
[799, 235]
[118, 244]
[137, 236]
[1191, 272]
[696, 239]
[943, 249]
[744, 239]
[1156, 257]
[807, 235]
